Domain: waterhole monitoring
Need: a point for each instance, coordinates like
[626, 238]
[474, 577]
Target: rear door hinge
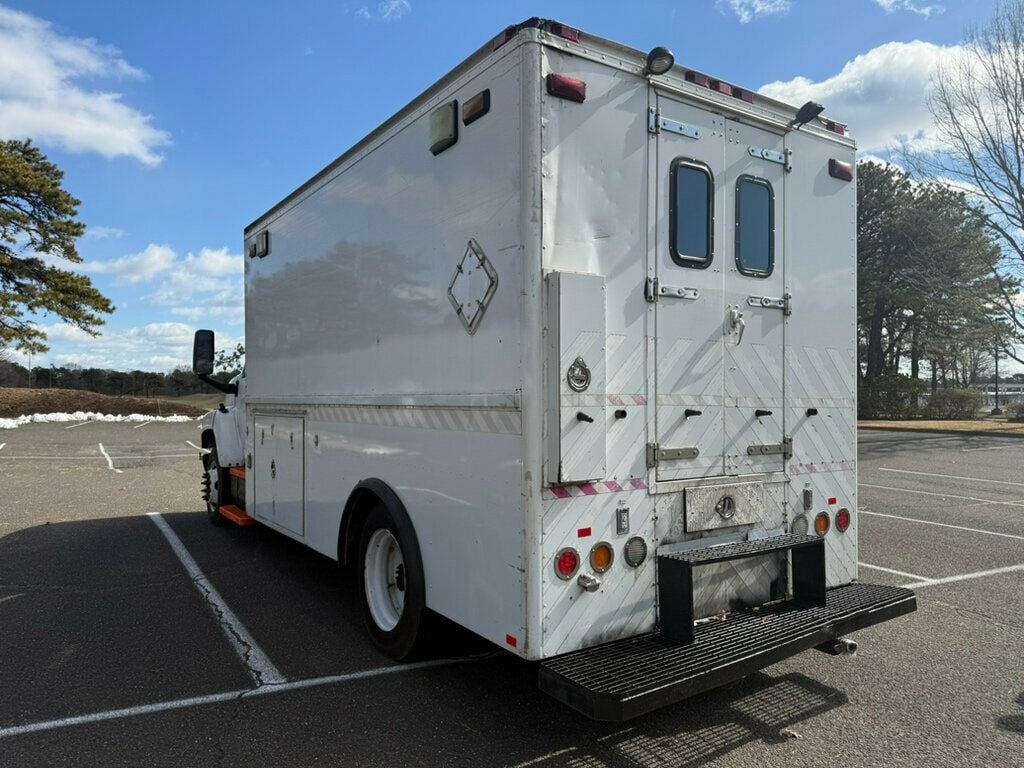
[656, 123]
[656, 454]
[770, 449]
[770, 302]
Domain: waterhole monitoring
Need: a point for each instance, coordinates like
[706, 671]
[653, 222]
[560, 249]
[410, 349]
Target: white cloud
[388, 10]
[42, 96]
[881, 94]
[135, 267]
[914, 6]
[748, 10]
[154, 346]
[104, 233]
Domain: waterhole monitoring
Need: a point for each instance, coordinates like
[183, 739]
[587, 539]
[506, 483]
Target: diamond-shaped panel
[472, 286]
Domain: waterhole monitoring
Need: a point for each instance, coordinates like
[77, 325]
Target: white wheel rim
[213, 473]
[384, 579]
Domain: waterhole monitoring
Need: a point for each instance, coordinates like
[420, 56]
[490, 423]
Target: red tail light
[840, 170]
[567, 88]
[842, 520]
[567, 562]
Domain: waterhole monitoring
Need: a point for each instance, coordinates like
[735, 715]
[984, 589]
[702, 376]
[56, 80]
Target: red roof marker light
[567, 88]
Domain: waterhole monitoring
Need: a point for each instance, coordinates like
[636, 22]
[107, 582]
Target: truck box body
[631, 316]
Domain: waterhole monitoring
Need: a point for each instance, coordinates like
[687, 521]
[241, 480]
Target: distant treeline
[176, 383]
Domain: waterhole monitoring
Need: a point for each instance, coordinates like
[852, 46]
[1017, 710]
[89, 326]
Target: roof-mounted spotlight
[806, 113]
[659, 61]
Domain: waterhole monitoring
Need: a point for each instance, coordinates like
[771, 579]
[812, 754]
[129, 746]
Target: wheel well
[364, 497]
[207, 440]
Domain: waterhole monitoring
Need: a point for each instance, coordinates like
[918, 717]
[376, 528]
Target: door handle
[736, 324]
[690, 412]
[581, 416]
[761, 412]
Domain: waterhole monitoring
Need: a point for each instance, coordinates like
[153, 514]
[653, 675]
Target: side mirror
[202, 353]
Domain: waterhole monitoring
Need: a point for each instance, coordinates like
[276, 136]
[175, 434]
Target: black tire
[212, 508]
[407, 639]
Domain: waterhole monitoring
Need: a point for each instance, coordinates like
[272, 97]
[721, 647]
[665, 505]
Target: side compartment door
[755, 296]
[689, 260]
[278, 468]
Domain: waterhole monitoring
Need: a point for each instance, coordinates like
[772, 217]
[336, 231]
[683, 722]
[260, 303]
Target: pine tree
[38, 226]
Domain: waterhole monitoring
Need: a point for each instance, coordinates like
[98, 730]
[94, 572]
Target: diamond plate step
[627, 678]
[740, 549]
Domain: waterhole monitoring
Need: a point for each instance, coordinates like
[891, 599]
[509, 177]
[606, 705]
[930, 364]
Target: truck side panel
[350, 325]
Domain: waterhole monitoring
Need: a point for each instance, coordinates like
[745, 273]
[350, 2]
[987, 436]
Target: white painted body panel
[352, 340]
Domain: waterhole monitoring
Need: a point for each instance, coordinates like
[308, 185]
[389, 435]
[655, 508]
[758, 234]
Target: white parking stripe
[965, 576]
[261, 669]
[989, 448]
[110, 461]
[951, 477]
[137, 426]
[93, 458]
[942, 525]
[79, 424]
[942, 495]
[213, 698]
[894, 572]
[2, 446]
[201, 450]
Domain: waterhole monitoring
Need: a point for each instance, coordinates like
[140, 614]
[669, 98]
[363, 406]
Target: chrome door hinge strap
[770, 302]
[654, 288]
[769, 449]
[772, 156]
[656, 454]
[656, 123]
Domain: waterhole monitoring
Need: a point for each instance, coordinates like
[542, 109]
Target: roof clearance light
[444, 127]
[602, 556]
[567, 88]
[822, 523]
[840, 170]
[476, 107]
[835, 127]
[843, 520]
[743, 93]
[723, 88]
[567, 562]
[698, 79]
[506, 34]
[563, 31]
[659, 61]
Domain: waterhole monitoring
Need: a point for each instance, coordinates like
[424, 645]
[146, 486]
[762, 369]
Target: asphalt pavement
[112, 653]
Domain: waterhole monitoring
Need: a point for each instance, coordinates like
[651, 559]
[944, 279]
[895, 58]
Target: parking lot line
[2, 446]
[965, 576]
[137, 426]
[950, 477]
[988, 448]
[201, 450]
[942, 525]
[943, 495]
[110, 461]
[261, 669]
[914, 576]
[79, 424]
[213, 698]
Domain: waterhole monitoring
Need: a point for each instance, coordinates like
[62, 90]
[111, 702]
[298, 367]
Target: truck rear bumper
[627, 678]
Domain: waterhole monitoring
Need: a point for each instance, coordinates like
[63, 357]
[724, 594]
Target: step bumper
[627, 678]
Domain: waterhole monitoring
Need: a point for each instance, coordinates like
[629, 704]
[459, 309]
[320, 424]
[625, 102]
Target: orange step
[236, 515]
[237, 472]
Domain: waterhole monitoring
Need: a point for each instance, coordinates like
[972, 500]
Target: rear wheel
[213, 482]
[392, 585]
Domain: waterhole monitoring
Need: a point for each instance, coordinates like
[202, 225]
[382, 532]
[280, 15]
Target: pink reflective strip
[639, 399]
[588, 490]
[561, 492]
[638, 484]
[612, 486]
[614, 399]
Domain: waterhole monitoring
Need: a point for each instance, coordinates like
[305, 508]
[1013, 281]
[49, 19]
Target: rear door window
[691, 214]
[755, 226]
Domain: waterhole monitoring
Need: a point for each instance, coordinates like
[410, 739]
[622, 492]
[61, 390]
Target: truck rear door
[717, 285]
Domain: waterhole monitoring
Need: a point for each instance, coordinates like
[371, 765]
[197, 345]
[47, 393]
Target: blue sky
[179, 123]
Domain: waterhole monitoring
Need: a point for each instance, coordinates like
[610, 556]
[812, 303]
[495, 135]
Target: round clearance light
[635, 552]
[659, 61]
[821, 523]
[801, 524]
[843, 520]
[601, 556]
[567, 562]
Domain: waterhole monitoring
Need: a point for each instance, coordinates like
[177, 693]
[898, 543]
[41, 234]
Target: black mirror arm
[220, 386]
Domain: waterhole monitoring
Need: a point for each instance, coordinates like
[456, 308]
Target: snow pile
[83, 416]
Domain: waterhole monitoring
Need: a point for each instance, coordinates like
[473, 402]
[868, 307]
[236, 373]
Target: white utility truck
[565, 351]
